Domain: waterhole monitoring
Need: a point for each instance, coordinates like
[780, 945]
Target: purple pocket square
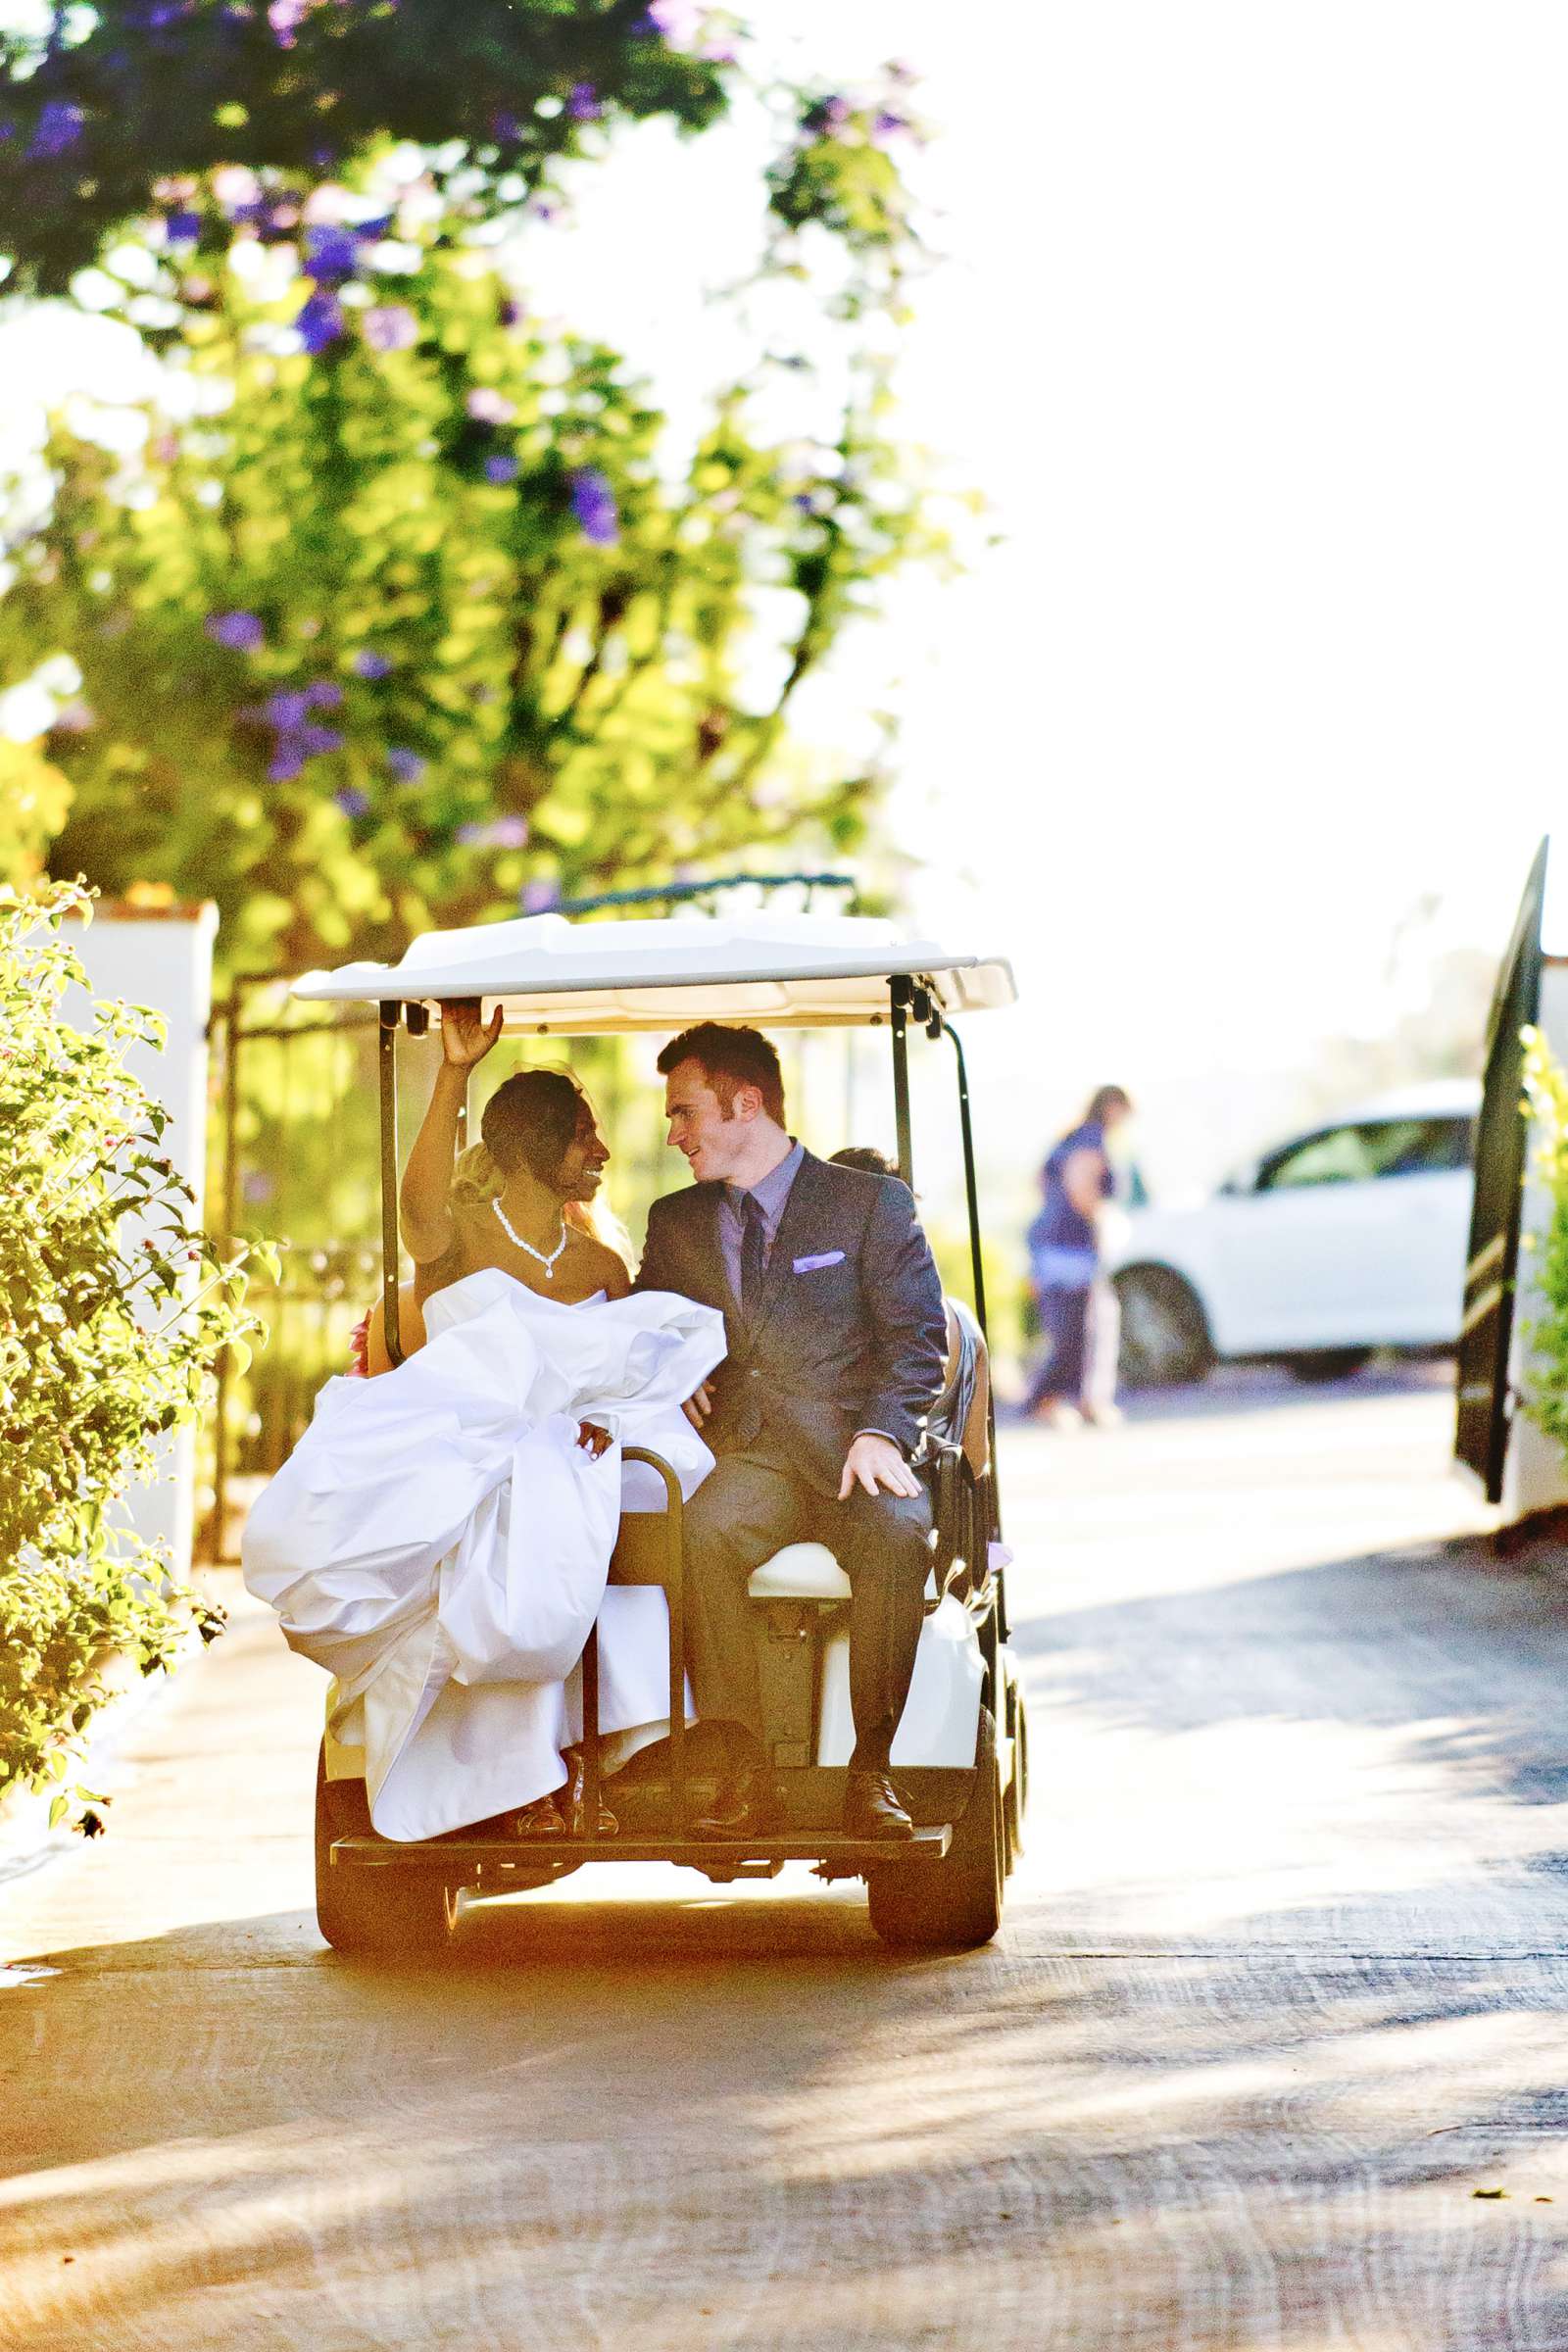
[825, 1257]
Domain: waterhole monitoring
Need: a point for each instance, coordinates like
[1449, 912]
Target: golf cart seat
[799, 1572]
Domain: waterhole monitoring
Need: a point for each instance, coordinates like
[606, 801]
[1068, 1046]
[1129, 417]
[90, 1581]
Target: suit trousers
[745, 1511]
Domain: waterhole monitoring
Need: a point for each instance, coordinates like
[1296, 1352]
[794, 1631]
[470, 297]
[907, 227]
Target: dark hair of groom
[728, 1058]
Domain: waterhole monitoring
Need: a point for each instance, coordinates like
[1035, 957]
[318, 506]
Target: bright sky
[1253, 333]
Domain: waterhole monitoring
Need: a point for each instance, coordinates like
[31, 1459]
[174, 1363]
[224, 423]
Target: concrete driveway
[1282, 1987]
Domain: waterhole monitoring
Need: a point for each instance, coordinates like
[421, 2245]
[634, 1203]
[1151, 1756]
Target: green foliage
[1545, 1086]
[409, 617]
[112, 1308]
[117, 100]
[35, 799]
[839, 173]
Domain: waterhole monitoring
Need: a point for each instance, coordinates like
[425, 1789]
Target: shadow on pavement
[543, 2146]
[1264, 1388]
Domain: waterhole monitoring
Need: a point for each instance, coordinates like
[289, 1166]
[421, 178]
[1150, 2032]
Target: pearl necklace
[548, 1263]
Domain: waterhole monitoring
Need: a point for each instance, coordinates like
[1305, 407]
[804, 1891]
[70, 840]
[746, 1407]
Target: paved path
[1282, 1984]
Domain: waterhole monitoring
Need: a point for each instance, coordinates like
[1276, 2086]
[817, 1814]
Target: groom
[836, 1341]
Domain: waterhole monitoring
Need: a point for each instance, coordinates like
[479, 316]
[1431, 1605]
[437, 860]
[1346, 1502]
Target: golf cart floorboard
[455, 1858]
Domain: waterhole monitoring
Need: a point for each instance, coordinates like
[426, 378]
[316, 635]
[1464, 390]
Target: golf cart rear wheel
[955, 1904]
[378, 1914]
[1164, 1332]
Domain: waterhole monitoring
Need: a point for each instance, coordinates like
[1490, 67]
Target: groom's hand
[697, 1407]
[876, 1464]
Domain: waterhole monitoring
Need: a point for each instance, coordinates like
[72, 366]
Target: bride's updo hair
[530, 1120]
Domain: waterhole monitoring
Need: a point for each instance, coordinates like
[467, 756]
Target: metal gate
[295, 1091]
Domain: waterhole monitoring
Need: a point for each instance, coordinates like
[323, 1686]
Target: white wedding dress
[439, 1542]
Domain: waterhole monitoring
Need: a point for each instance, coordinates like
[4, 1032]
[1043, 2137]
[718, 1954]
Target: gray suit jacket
[851, 1333]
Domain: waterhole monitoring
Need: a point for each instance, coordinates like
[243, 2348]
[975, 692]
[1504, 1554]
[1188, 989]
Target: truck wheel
[955, 1904]
[1164, 1332]
[379, 1914]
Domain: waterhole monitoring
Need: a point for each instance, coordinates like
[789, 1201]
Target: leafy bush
[1546, 1101]
[112, 1308]
[34, 798]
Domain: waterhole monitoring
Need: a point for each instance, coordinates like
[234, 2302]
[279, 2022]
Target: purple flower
[286, 760]
[285, 711]
[367, 665]
[320, 322]
[58, 128]
[242, 632]
[405, 765]
[500, 470]
[506, 130]
[886, 124]
[316, 741]
[582, 103]
[538, 898]
[237, 190]
[352, 801]
[183, 227]
[331, 252]
[500, 833]
[513, 314]
[679, 21]
[593, 502]
[284, 17]
[392, 326]
[489, 407]
[325, 695]
[829, 114]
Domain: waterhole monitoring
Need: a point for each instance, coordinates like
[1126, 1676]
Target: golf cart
[960, 1754]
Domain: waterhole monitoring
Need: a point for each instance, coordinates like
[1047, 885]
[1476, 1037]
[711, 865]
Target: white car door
[1434, 1186]
[1344, 1240]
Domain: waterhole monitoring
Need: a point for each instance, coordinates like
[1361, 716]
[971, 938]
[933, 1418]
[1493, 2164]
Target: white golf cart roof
[599, 978]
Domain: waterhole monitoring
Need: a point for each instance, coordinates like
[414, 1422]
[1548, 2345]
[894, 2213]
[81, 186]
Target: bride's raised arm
[426, 1194]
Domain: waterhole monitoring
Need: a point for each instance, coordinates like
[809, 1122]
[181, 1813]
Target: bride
[439, 1538]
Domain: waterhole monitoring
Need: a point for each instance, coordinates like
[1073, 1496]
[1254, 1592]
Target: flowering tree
[99, 112]
[400, 614]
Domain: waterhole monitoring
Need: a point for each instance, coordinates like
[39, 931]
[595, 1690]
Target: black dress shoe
[871, 1809]
[748, 1804]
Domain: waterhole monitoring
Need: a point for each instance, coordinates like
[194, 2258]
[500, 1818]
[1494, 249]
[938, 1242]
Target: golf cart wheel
[1015, 1803]
[955, 1904]
[377, 1914]
[1164, 1333]
[1329, 1363]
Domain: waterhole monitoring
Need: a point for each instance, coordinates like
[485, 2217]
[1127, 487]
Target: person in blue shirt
[1077, 1179]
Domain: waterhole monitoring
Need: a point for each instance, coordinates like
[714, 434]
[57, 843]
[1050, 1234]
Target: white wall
[163, 957]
